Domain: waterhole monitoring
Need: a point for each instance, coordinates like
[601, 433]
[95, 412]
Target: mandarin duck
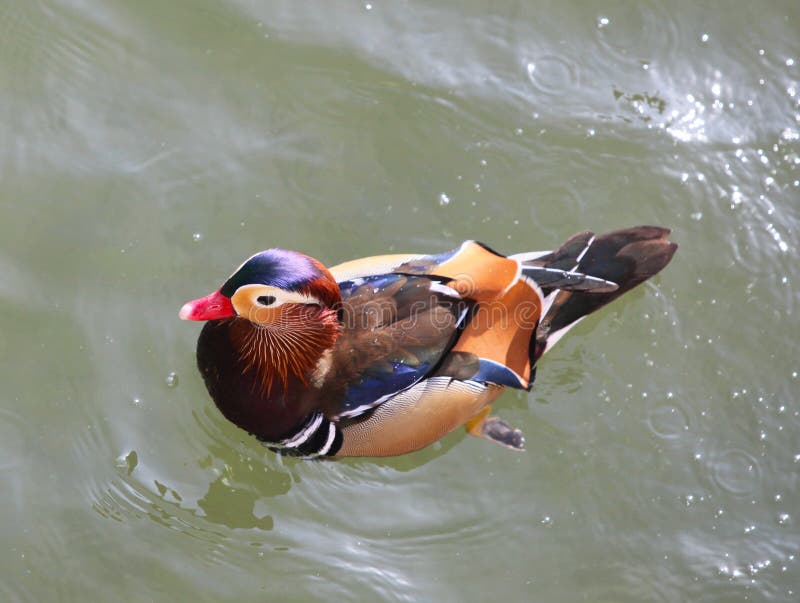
[384, 355]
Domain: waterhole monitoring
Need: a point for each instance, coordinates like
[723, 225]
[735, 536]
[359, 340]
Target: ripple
[735, 471]
[229, 501]
[645, 31]
[668, 421]
[553, 74]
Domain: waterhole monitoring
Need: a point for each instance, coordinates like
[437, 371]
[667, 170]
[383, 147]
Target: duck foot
[495, 430]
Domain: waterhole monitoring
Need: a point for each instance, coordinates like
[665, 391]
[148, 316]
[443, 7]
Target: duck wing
[396, 329]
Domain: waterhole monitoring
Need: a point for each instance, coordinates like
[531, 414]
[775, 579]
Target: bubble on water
[603, 22]
[704, 38]
[784, 518]
[546, 520]
[789, 62]
[137, 402]
[172, 379]
[444, 199]
[197, 236]
[697, 216]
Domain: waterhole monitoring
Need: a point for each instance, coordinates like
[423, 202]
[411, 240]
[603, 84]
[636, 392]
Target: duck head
[282, 307]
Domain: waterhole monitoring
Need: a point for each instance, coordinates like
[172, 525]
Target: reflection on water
[148, 146]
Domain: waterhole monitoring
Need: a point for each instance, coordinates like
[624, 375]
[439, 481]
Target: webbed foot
[495, 430]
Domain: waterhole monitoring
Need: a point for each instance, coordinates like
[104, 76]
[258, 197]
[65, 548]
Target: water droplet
[602, 22]
[444, 199]
[172, 379]
[197, 236]
[697, 216]
[368, 6]
[784, 518]
[546, 520]
[789, 62]
[137, 401]
[704, 38]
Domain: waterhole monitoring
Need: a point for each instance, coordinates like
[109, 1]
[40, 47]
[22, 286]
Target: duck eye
[266, 300]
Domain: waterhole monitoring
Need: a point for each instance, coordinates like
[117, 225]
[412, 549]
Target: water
[148, 147]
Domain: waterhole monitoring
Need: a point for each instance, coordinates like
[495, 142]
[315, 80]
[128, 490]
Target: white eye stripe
[249, 295]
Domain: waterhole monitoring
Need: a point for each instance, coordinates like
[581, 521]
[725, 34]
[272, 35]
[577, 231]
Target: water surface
[146, 148]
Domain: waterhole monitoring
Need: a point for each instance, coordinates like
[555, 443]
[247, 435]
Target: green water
[147, 148]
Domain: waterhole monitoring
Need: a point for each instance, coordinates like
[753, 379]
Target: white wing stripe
[300, 438]
[329, 442]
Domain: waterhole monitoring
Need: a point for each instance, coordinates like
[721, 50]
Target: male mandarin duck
[384, 355]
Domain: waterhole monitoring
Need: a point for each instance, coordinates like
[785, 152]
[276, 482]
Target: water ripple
[668, 421]
[729, 470]
[553, 74]
[637, 32]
